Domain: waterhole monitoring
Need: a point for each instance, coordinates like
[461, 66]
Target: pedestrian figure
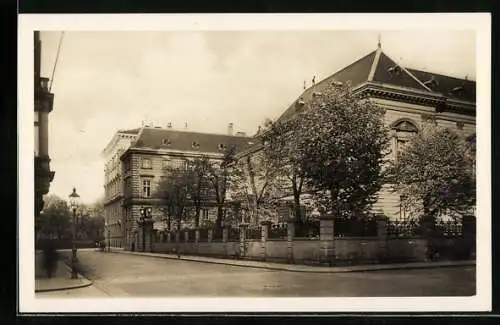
[50, 259]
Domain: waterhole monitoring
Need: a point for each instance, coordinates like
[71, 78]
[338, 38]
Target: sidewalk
[301, 268]
[61, 280]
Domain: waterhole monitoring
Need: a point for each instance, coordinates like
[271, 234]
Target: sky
[105, 81]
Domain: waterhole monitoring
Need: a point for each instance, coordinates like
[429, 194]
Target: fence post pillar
[327, 238]
[177, 236]
[243, 239]
[210, 235]
[290, 233]
[382, 237]
[265, 225]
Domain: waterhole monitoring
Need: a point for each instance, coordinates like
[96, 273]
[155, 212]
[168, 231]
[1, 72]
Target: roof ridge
[339, 71]
[196, 132]
[408, 72]
[440, 74]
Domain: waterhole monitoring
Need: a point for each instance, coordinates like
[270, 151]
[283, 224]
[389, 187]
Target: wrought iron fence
[309, 229]
[355, 227]
[191, 235]
[203, 234]
[449, 228]
[254, 232]
[398, 228]
[278, 231]
[233, 234]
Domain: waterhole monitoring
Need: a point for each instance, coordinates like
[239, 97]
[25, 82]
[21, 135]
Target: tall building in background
[137, 161]
[44, 101]
[113, 184]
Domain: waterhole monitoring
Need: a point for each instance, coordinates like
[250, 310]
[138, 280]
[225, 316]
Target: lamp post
[143, 220]
[74, 200]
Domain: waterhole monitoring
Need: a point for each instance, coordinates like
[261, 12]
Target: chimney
[230, 129]
[169, 125]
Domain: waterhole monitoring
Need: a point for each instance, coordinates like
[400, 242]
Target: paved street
[121, 275]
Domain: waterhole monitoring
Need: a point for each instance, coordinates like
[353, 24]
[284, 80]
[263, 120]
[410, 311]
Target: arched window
[402, 129]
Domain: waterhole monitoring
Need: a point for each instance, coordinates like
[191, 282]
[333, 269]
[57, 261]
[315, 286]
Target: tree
[174, 193]
[220, 177]
[56, 218]
[342, 143]
[435, 174]
[256, 182]
[198, 184]
[281, 149]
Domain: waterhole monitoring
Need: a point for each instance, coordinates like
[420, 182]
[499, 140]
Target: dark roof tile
[389, 72]
[158, 138]
[445, 84]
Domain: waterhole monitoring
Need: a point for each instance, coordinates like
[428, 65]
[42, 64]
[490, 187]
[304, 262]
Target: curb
[87, 283]
[387, 267]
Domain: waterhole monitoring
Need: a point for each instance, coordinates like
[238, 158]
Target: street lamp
[74, 200]
[143, 220]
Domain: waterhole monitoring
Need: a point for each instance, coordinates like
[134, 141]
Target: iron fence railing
[403, 228]
[254, 232]
[233, 234]
[278, 231]
[309, 229]
[203, 234]
[449, 228]
[355, 228]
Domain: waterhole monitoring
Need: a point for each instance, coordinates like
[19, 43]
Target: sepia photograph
[303, 166]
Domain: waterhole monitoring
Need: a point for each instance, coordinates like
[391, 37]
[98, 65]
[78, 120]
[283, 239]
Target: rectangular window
[146, 188]
[165, 164]
[146, 163]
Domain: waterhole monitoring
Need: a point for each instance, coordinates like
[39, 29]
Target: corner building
[139, 164]
[410, 98]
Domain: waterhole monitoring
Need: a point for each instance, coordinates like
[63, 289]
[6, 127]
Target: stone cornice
[385, 91]
[174, 153]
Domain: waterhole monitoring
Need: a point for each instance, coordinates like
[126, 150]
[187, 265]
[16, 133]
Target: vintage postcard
[254, 163]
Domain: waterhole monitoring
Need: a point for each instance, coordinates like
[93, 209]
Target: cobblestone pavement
[123, 275]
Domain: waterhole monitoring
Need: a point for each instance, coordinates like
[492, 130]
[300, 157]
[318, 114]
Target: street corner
[61, 280]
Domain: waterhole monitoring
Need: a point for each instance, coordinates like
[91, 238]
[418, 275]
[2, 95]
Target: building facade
[113, 185]
[138, 169]
[410, 98]
[44, 101]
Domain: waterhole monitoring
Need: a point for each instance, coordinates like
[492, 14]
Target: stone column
[265, 225]
[243, 239]
[289, 239]
[327, 238]
[382, 237]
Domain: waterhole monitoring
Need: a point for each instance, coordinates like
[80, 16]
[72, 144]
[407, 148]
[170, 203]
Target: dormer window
[195, 145]
[458, 91]
[221, 146]
[337, 83]
[166, 142]
[317, 94]
[431, 83]
[394, 70]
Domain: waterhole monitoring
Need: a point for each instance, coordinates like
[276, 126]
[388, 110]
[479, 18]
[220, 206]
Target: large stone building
[136, 162]
[410, 97]
[113, 183]
[44, 101]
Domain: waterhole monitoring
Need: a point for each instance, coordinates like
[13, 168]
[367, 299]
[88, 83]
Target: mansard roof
[171, 139]
[378, 68]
